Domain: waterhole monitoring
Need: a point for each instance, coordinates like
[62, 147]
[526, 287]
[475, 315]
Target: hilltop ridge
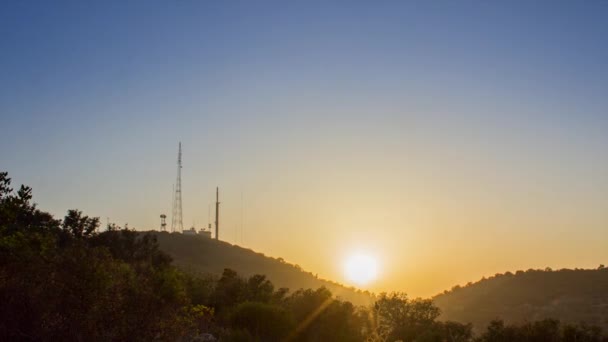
[203, 255]
[572, 296]
[579, 295]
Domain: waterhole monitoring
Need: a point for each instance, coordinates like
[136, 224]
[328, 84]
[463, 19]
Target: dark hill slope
[199, 254]
[568, 295]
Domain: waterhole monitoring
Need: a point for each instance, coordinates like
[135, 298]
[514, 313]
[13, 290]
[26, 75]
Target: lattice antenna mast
[177, 219]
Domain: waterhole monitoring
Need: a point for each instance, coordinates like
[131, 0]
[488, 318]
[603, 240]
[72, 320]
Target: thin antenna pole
[217, 213]
[242, 217]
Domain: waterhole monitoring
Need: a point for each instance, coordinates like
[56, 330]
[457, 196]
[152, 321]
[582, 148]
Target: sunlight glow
[361, 269]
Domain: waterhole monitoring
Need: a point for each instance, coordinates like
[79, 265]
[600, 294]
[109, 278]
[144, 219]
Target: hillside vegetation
[198, 254]
[579, 295]
[65, 280]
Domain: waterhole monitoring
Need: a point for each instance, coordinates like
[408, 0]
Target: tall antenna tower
[177, 219]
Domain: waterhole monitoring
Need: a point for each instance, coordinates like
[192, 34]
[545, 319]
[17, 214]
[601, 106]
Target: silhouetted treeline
[62, 280]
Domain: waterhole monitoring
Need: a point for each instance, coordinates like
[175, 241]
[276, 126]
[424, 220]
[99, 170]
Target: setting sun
[304, 171]
[361, 269]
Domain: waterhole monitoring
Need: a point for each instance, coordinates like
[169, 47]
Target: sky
[450, 140]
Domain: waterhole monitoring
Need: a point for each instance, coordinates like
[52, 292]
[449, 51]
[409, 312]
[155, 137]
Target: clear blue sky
[384, 126]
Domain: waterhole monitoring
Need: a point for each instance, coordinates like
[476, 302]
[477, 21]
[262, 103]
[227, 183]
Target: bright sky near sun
[446, 140]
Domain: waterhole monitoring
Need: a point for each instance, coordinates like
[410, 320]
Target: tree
[405, 319]
[229, 291]
[264, 321]
[320, 317]
[17, 213]
[456, 332]
[78, 225]
[259, 289]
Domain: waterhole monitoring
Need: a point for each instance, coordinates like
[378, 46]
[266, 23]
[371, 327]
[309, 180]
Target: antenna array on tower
[163, 223]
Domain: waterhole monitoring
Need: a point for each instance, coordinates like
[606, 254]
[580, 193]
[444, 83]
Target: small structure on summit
[206, 233]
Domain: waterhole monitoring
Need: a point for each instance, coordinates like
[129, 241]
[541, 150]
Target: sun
[361, 269]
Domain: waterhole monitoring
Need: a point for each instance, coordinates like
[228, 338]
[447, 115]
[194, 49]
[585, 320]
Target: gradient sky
[453, 140]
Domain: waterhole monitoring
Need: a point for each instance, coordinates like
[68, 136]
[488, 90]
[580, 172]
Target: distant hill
[568, 295]
[204, 255]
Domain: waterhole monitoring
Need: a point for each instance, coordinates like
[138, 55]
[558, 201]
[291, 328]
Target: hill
[579, 295]
[204, 255]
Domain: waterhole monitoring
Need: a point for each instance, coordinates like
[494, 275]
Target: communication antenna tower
[177, 219]
[163, 222]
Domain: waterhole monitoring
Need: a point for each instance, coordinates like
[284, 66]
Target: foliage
[62, 280]
[79, 226]
[548, 330]
[263, 321]
[323, 318]
[401, 318]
